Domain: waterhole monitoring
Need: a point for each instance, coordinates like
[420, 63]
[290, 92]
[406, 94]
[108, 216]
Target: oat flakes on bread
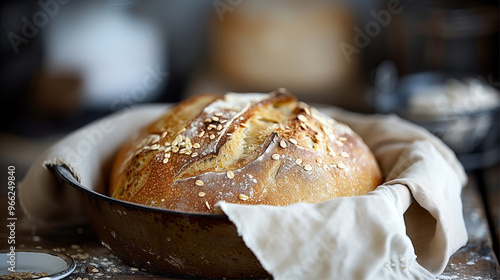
[242, 148]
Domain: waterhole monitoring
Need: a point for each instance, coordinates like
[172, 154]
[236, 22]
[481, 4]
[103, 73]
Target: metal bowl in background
[166, 241]
[473, 135]
[464, 133]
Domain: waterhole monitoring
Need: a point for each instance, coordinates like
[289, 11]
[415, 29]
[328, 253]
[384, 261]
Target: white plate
[57, 265]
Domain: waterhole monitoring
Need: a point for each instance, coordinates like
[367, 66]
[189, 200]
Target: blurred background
[66, 63]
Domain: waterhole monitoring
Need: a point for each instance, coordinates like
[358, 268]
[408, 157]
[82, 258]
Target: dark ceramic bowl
[166, 241]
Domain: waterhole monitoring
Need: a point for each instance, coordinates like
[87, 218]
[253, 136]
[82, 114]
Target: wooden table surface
[476, 260]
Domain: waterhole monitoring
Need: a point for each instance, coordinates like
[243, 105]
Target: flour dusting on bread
[242, 148]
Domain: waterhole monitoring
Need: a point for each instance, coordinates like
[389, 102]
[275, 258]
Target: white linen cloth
[364, 237]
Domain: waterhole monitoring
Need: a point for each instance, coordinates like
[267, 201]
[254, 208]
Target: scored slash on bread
[242, 148]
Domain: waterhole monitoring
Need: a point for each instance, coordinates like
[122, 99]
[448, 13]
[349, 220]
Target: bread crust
[242, 148]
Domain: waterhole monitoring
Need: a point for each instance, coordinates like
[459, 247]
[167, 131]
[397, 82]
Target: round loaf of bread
[242, 148]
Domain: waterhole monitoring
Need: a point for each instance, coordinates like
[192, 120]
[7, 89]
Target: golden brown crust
[247, 148]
